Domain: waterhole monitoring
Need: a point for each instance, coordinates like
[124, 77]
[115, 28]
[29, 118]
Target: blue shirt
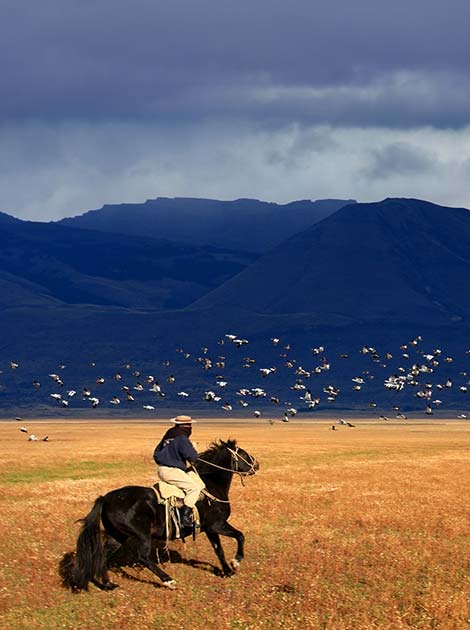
[174, 452]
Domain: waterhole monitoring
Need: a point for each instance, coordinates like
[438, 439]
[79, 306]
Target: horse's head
[230, 457]
[242, 462]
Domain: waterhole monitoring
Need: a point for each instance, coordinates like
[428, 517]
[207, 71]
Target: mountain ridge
[51, 262]
[364, 256]
[246, 224]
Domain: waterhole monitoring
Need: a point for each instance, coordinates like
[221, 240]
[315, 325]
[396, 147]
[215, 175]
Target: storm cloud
[108, 101]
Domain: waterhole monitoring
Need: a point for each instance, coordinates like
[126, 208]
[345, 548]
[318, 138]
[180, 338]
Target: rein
[235, 457]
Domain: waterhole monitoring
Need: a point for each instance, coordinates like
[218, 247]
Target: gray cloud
[335, 62]
[400, 158]
[84, 166]
[106, 101]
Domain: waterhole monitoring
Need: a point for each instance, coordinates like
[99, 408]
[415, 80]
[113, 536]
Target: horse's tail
[79, 568]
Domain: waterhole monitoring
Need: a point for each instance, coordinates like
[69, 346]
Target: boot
[186, 514]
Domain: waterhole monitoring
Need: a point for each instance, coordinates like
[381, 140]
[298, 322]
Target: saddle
[172, 498]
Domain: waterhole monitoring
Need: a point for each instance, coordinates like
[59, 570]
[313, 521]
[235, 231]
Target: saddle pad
[167, 490]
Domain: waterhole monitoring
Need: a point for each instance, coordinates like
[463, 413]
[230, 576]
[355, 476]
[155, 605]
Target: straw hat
[183, 420]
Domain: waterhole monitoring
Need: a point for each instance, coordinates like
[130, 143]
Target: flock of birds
[416, 371]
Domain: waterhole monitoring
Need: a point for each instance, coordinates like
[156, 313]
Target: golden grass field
[350, 529]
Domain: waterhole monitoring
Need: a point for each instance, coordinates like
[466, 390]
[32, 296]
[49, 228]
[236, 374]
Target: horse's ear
[231, 443]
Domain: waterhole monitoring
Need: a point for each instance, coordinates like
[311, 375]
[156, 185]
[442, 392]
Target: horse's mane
[215, 448]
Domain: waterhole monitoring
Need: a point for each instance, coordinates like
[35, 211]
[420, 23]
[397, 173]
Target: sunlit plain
[364, 527]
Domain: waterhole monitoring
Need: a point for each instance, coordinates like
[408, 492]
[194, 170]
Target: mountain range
[397, 260]
[368, 275]
[241, 224]
[51, 264]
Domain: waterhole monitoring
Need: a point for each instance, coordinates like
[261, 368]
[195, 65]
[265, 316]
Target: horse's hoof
[110, 586]
[234, 565]
[171, 584]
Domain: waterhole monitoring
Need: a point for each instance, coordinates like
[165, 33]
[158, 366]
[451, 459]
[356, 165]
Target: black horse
[132, 514]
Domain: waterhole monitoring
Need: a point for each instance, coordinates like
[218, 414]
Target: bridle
[236, 457]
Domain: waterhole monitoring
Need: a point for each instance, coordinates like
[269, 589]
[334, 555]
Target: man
[172, 454]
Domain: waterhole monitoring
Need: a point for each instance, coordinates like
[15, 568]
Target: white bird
[257, 414]
[32, 438]
[267, 371]
[183, 394]
[23, 430]
[240, 342]
[149, 407]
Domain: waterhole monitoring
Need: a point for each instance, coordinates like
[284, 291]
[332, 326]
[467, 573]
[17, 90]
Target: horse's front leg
[219, 552]
[227, 530]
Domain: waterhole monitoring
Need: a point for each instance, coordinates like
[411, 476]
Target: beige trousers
[181, 480]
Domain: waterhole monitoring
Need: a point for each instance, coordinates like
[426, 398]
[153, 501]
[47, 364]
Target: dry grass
[354, 529]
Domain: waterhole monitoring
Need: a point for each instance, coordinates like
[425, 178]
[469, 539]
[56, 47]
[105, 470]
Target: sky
[111, 101]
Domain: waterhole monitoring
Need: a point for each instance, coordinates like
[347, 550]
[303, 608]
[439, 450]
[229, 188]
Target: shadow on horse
[132, 514]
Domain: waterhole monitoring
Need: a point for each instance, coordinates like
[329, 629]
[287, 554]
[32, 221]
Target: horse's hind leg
[144, 555]
[111, 547]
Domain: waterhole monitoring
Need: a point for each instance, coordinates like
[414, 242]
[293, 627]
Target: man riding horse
[171, 455]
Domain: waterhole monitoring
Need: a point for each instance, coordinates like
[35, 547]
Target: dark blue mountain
[377, 276]
[399, 260]
[51, 264]
[242, 224]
